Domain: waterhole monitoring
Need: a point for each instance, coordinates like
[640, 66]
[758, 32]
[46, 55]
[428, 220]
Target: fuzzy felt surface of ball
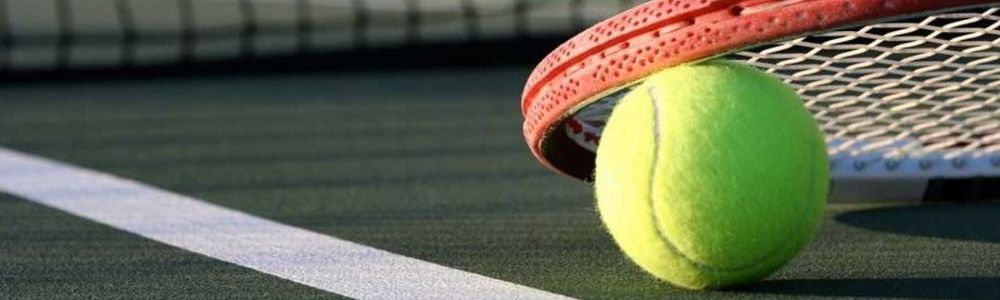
[711, 175]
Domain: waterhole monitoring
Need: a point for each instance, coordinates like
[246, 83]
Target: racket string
[930, 83]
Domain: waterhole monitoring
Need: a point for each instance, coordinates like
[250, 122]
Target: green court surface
[428, 164]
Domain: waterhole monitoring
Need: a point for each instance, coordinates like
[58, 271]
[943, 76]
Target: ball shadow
[967, 222]
[917, 288]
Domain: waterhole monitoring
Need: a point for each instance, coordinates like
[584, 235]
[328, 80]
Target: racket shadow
[918, 288]
[965, 222]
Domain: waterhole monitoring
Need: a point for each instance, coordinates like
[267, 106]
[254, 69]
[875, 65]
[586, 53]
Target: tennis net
[74, 34]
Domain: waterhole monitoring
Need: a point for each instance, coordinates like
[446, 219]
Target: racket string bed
[912, 97]
[913, 94]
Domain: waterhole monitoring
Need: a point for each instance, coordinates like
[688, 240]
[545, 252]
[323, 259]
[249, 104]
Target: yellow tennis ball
[711, 175]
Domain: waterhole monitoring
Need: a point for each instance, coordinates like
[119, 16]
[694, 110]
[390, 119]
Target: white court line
[299, 255]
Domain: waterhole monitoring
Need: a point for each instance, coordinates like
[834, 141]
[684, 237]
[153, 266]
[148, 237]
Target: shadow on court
[966, 222]
[920, 288]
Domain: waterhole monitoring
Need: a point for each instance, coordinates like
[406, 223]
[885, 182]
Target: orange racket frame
[626, 48]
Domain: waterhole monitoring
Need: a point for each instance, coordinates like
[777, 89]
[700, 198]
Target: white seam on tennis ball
[654, 99]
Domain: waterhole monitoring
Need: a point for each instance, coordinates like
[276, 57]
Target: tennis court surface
[271, 177]
[433, 168]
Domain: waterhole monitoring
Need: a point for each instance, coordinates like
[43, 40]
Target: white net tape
[910, 98]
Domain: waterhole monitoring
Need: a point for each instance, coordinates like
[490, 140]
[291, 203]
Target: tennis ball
[711, 175]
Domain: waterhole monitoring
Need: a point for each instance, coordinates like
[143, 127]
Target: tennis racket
[905, 90]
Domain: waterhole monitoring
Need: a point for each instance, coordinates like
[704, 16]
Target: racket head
[574, 88]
